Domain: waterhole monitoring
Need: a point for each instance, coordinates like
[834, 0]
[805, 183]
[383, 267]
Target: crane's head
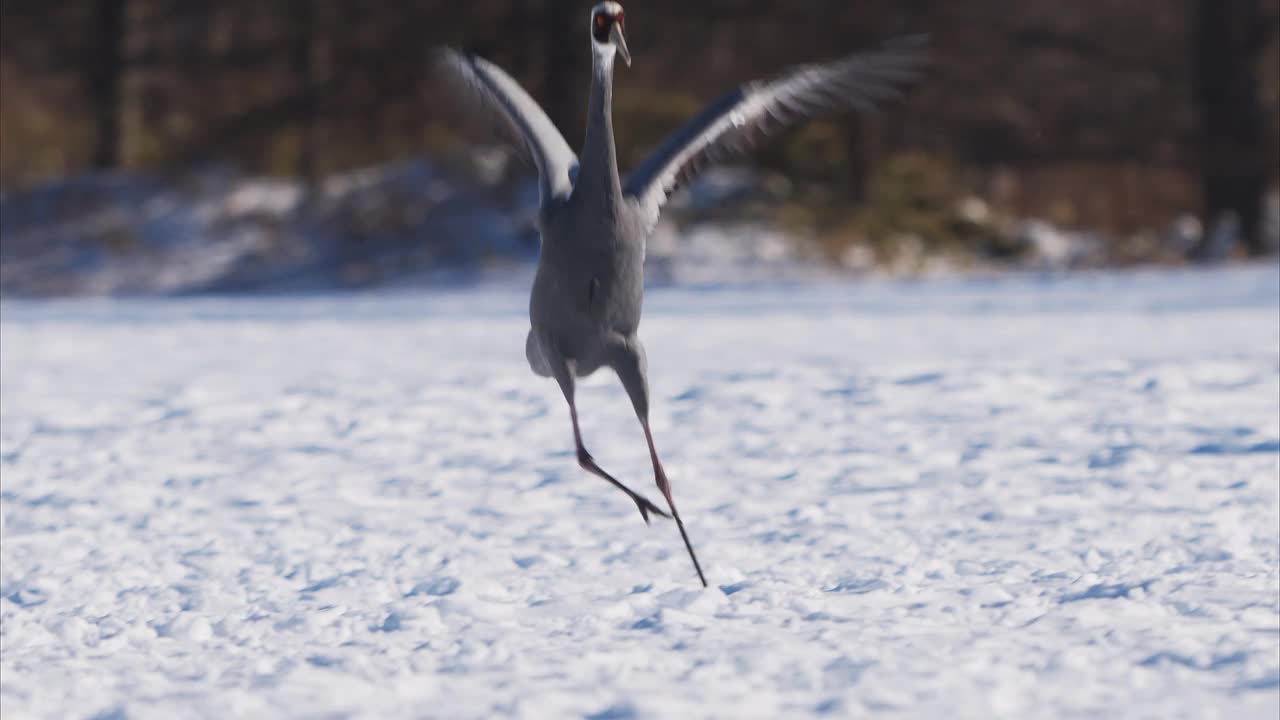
[607, 21]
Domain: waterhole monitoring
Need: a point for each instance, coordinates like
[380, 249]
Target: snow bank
[117, 235]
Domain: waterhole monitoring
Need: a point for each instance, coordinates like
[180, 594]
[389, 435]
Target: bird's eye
[621, 18]
[600, 21]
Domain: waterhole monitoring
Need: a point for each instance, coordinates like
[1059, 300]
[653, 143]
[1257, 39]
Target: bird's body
[584, 307]
[589, 285]
[586, 298]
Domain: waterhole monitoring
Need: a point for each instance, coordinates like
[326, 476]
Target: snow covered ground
[960, 499]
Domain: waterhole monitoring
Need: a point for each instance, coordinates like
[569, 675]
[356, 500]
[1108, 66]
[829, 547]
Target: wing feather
[490, 95]
[739, 120]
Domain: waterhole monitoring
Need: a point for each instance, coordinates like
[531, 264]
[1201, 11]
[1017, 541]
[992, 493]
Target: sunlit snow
[1025, 497]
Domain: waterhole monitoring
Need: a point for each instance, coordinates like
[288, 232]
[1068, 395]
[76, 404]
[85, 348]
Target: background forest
[1097, 133]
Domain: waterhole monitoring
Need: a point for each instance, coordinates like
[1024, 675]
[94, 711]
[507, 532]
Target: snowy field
[1018, 498]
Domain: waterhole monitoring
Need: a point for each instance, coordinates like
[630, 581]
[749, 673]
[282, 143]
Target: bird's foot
[647, 507]
[589, 464]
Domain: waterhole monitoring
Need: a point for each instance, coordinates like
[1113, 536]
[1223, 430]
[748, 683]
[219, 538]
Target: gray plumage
[584, 308]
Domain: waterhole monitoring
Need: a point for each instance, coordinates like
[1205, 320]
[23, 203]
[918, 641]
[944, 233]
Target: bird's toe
[647, 507]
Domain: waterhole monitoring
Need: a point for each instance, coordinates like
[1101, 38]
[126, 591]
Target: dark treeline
[1116, 113]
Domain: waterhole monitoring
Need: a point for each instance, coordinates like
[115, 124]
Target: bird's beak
[620, 41]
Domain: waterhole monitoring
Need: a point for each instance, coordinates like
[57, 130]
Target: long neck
[598, 174]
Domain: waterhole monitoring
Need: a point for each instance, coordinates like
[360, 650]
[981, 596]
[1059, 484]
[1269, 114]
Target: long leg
[563, 373]
[628, 360]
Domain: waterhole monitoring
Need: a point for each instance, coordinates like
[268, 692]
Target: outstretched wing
[740, 119]
[492, 96]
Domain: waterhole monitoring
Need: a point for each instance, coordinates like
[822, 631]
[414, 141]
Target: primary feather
[738, 120]
[489, 94]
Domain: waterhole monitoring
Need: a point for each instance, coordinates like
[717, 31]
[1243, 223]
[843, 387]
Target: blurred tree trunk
[1233, 169]
[559, 33]
[303, 63]
[519, 21]
[105, 80]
